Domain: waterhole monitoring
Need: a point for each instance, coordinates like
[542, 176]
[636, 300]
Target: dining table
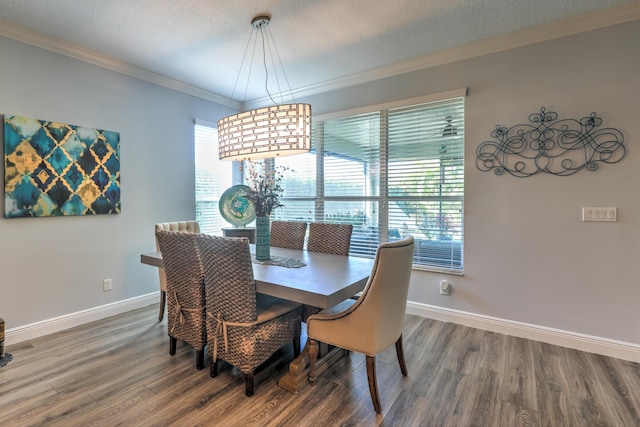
[314, 279]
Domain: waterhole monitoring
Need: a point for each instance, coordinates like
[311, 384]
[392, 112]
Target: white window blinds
[426, 180]
[391, 173]
[213, 177]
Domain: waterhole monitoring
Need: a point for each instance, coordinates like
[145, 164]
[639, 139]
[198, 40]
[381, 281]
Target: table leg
[296, 377]
[296, 380]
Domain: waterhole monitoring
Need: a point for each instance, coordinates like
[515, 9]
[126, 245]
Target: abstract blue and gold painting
[57, 169]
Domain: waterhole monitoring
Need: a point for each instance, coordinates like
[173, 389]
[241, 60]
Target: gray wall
[529, 258]
[55, 266]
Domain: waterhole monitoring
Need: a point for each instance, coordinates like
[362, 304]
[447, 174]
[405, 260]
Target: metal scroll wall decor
[558, 147]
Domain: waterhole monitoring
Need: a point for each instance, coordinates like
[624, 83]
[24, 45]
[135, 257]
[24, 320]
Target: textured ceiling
[201, 42]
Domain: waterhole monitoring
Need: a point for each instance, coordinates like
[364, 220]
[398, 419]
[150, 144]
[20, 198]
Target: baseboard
[598, 345]
[56, 324]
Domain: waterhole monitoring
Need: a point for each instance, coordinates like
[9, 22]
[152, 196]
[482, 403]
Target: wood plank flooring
[118, 372]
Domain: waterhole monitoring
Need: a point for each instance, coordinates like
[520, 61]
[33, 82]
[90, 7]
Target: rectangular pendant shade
[279, 130]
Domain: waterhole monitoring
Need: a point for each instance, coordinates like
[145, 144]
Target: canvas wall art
[57, 169]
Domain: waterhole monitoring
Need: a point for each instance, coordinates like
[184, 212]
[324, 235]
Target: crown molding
[38, 39]
[528, 36]
[591, 21]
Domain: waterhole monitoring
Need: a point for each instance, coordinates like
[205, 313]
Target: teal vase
[263, 238]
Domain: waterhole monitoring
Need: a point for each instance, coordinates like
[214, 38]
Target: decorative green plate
[235, 207]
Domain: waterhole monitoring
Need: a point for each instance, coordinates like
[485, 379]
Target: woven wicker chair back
[229, 284]
[191, 226]
[330, 238]
[234, 334]
[288, 234]
[185, 286]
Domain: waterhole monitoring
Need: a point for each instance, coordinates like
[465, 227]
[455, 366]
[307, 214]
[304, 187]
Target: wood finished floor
[118, 371]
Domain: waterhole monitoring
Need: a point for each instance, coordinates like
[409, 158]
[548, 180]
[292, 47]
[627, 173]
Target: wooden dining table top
[323, 282]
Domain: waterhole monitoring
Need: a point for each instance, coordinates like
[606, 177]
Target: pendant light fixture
[277, 130]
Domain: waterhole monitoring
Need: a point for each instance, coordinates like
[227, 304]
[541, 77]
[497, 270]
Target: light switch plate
[600, 214]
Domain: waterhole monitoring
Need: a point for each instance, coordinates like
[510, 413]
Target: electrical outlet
[106, 285]
[445, 288]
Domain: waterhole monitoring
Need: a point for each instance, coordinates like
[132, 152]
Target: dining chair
[185, 291]
[191, 226]
[288, 234]
[243, 328]
[374, 321]
[329, 238]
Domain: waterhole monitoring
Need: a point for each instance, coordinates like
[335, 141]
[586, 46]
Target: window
[392, 172]
[213, 176]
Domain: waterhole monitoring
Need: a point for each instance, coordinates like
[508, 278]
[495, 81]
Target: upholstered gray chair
[243, 328]
[185, 291]
[288, 234]
[330, 238]
[374, 321]
[190, 226]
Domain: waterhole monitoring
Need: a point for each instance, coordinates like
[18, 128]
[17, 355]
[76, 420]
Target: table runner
[280, 261]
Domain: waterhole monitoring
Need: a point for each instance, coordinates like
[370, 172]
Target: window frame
[383, 199]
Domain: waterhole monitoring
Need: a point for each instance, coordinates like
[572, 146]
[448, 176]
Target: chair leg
[172, 345]
[249, 384]
[373, 383]
[400, 354]
[296, 346]
[199, 359]
[163, 302]
[313, 356]
[213, 368]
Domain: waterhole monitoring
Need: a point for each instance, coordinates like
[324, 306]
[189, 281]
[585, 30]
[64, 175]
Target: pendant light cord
[284, 72]
[261, 28]
[244, 57]
[266, 69]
